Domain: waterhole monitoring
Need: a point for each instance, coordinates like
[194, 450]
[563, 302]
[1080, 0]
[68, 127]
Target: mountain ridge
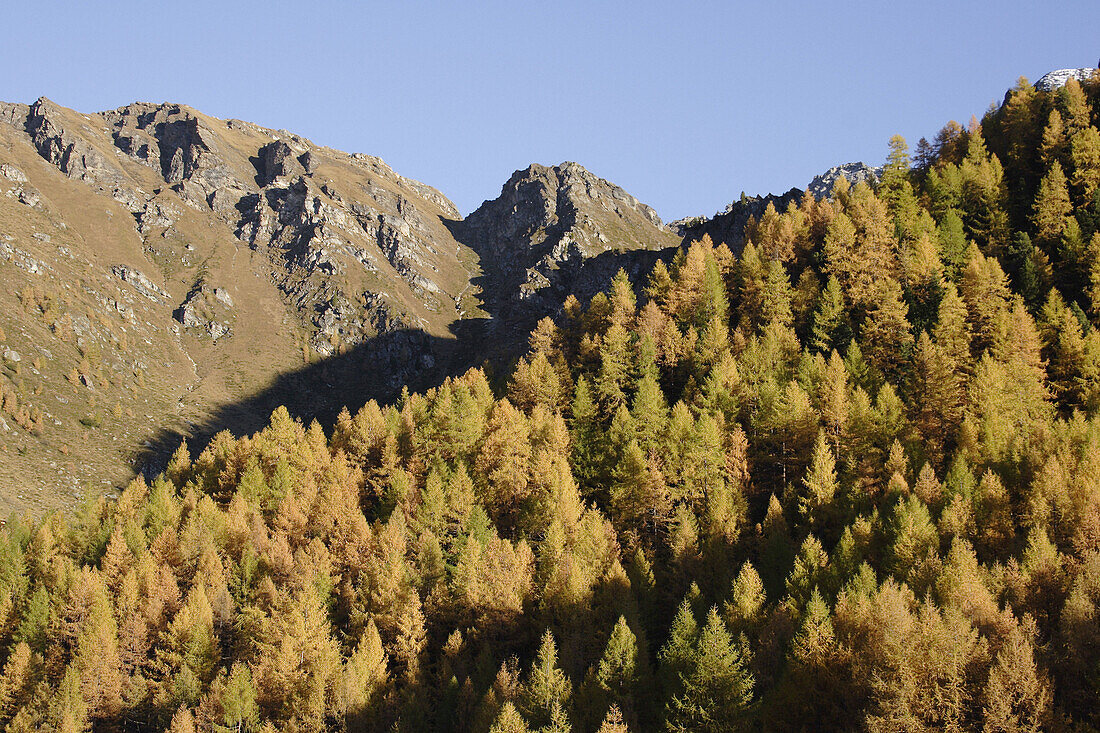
[240, 255]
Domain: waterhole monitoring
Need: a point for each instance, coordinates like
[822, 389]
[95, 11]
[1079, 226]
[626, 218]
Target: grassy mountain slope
[171, 274]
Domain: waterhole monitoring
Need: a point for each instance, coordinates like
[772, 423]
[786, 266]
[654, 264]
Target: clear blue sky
[683, 104]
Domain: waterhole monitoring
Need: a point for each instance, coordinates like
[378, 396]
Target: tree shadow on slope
[375, 369]
[379, 368]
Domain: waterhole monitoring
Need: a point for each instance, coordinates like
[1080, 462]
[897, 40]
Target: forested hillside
[848, 479]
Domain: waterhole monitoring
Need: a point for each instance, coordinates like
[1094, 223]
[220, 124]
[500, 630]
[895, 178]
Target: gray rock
[176, 170]
[225, 199]
[12, 355]
[139, 282]
[29, 197]
[22, 260]
[540, 239]
[728, 226]
[1057, 79]
[72, 155]
[279, 161]
[129, 198]
[187, 315]
[157, 214]
[309, 161]
[139, 145]
[822, 185]
[12, 173]
[430, 194]
[202, 308]
[121, 308]
[172, 139]
[14, 114]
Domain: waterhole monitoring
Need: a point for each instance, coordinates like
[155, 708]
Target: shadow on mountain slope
[378, 369]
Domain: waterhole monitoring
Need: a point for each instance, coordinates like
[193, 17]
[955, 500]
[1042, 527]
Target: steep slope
[556, 231]
[169, 274]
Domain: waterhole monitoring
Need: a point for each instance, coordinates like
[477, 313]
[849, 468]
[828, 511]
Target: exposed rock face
[280, 161]
[12, 173]
[266, 192]
[822, 185]
[172, 139]
[1057, 79]
[139, 281]
[155, 215]
[728, 226]
[56, 141]
[200, 272]
[207, 310]
[555, 231]
[13, 113]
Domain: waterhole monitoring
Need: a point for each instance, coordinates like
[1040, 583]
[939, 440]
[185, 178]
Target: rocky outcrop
[13, 174]
[348, 280]
[23, 260]
[728, 226]
[70, 152]
[553, 201]
[822, 185]
[555, 231]
[321, 233]
[156, 214]
[173, 140]
[206, 311]
[279, 160]
[1057, 79]
[139, 282]
[14, 114]
[22, 191]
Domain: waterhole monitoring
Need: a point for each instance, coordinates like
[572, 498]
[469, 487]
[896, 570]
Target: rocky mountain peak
[583, 188]
[211, 258]
[57, 134]
[549, 220]
[1057, 79]
[822, 185]
[565, 197]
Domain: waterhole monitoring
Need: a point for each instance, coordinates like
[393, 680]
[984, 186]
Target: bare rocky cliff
[172, 274]
[556, 231]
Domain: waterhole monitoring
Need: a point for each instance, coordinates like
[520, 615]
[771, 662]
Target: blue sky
[685, 105]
